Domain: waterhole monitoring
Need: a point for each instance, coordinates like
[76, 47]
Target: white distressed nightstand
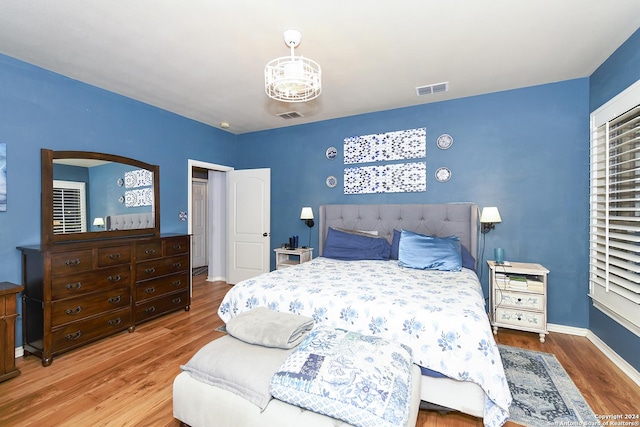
[518, 297]
[288, 257]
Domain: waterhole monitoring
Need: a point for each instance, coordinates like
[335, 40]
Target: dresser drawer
[521, 319]
[161, 267]
[176, 245]
[157, 287]
[114, 255]
[148, 250]
[71, 262]
[83, 331]
[519, 300]
[156, 307]
[73, 309]
[91, 281]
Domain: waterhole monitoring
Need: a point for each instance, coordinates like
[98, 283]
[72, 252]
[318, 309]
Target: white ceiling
[204, 59]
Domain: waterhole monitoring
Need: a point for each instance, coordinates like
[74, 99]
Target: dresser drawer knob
[150, 251]
[150, 290]
[177, 247]
[115, 256]
[71, 286]
[150, 270]
[115, 278]
[177, 264]
[115, 322]
[176, 300]
[72, 337]
[72, 262]
[115, 300]
[177, 283]
[74, 311]
[150, 309]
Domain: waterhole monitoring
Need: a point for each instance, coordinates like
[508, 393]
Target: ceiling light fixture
[291, 78]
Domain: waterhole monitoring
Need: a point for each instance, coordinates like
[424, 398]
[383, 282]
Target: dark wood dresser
[76, 293]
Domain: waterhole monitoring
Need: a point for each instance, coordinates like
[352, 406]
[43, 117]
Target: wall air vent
[435, 88]
[290, 115]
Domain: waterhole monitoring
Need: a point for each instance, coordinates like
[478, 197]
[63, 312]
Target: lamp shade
[307, 213]
[99, 222]
[490, 215]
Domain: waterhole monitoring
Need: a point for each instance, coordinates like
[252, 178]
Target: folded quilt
[269, 328]
[361, 379]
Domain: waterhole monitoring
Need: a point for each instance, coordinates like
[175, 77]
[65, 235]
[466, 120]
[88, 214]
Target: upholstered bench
[226, 383]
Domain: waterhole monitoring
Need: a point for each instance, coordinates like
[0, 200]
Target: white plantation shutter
[615, 209]
[68, 207]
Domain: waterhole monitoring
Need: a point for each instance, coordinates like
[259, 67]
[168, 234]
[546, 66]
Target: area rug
[543, 393]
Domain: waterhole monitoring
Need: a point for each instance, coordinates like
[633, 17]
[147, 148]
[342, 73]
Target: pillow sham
[429, 252]
[355, 247]
[468, 260]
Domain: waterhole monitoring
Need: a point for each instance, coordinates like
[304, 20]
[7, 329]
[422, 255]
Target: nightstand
[288, 257]
[518, 297]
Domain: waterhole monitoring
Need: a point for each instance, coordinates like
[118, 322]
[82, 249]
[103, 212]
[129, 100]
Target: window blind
[68, 207]
[615, 216]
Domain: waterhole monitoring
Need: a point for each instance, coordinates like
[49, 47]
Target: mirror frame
[49, 238]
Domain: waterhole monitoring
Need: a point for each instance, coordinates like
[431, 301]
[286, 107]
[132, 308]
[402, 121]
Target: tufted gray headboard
[130, 221]
[459, 219]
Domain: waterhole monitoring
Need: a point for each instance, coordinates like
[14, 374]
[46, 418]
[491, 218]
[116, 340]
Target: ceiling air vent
[290, 115]
[435, 88]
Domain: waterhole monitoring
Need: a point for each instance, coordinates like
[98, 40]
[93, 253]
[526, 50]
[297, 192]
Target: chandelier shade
[291, 78]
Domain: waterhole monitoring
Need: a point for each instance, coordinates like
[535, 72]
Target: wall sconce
[98, 222]
[307, 216]
[488, 218]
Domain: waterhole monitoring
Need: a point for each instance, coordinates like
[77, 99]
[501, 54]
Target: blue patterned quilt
[440, 315]
[361, 379]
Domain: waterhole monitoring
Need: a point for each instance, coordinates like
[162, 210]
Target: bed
[130, 221]
[439, 314]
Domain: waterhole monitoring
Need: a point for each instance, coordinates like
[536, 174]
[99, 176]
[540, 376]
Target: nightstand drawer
[529, 301]
[520, 318]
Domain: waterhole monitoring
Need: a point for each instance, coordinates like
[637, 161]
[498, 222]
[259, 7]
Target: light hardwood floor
[126, 380]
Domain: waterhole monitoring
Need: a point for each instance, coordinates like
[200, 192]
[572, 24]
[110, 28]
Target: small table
[8, 316]
[288, 257]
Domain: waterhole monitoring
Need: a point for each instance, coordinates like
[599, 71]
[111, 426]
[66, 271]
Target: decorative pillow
[428, 252]
[468, 261]
[395, 244]
[350, 247]
[361, 379]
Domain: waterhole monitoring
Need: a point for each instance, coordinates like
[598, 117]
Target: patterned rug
[543, 394]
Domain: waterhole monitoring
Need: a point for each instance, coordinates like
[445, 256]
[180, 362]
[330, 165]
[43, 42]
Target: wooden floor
[126, 380]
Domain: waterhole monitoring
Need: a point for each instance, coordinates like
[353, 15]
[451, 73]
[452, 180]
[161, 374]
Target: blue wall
[525, 151]
[618, 72]
[40, 109]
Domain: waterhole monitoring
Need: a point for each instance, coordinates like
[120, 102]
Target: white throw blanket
[269, 328]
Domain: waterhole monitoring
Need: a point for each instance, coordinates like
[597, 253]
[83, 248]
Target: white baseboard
[216, 279]
[624, 366]
[19, 352]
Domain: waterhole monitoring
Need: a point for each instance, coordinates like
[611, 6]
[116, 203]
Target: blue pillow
[468, 261]
[395, 244]
[428, 252]
[354, 247]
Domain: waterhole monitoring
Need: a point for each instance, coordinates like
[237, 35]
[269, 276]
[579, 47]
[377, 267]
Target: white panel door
[248, 223]
[199, 223]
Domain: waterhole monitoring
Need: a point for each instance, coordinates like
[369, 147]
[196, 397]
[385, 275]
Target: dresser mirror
[87, 195]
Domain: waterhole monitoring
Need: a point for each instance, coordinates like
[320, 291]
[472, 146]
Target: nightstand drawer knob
[71, 286]
[72, 337]
[74, 311]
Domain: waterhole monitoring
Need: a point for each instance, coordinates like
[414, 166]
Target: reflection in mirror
[96, 195]
[87, 195]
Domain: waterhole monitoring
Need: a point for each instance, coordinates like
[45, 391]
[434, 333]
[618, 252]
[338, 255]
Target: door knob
[264, 234]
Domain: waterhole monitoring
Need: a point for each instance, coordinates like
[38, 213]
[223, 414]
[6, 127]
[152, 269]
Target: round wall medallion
[331, 153]
[443, 174]
[331, 181]
[444, 141]
[121, 199]
[120, 182]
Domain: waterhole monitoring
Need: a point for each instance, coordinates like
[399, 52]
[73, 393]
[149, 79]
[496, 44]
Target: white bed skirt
[201, 405]
[463, 396]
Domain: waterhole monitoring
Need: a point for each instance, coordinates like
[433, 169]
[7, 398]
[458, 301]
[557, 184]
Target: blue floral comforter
[440, 315]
